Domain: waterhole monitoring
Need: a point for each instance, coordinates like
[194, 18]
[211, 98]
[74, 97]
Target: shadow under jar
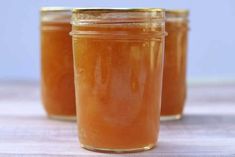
[57, 78]
[174, 73]
[118, 61]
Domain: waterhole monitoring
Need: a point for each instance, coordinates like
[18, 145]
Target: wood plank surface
[207, 129]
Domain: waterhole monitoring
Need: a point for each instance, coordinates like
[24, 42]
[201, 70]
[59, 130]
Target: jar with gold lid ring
[57, 79]
[175, 65]
[118, 64]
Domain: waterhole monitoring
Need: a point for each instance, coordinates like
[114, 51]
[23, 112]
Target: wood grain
[207, 129]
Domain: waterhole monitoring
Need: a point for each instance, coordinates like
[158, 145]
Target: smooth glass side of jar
[57, 79]
[175, 64]
[118, 68]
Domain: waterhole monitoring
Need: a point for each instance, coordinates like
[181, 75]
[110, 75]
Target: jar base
[63, 118]
[171, 117]
[110, 150]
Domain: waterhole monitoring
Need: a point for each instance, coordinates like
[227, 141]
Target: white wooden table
[207, 129]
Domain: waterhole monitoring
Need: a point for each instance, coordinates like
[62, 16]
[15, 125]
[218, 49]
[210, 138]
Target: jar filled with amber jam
[174, 75]
[118, 61]
[57, 79]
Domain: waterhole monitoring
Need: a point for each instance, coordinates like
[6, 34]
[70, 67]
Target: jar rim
[55, 14]
[117, 15]
[106, 10]
[177, 12]
[55, 9]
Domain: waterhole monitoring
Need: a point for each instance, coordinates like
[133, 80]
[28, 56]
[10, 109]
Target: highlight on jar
[174, 90]
[57, 79]
[118, 68]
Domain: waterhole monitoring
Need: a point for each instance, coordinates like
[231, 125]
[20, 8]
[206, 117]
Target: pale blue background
[211, 48]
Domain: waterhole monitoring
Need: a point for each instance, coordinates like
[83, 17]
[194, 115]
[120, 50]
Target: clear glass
[118, 64]
[57, 79]
[174, 78]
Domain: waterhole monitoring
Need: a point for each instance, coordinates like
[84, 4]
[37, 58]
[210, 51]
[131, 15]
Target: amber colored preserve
[118, 61]
[57, 79]
[174, 78]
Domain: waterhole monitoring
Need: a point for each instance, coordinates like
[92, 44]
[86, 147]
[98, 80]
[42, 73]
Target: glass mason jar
[57, 79]
[118, 64]
[174, 75]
